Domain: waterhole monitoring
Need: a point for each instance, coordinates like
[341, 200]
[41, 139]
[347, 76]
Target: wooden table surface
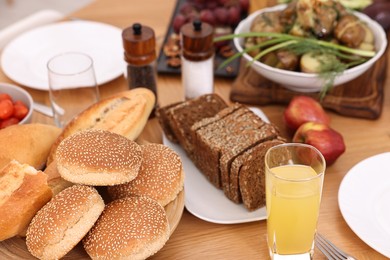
[195, 238]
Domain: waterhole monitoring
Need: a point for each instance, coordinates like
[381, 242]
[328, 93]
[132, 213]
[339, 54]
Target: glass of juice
[294, 180]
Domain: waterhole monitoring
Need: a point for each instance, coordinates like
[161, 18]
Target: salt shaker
[197, 59]
[139, 43]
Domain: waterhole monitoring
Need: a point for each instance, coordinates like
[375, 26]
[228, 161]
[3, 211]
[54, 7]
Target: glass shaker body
[197, 59]
[142, 76]
[140, 56]
[197, 77]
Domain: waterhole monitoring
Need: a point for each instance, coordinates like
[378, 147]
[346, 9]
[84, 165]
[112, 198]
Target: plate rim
[5, 58]
[346, 184]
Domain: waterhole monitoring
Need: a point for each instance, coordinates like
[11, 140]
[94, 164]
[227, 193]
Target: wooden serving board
[15, 248]
[361, 97]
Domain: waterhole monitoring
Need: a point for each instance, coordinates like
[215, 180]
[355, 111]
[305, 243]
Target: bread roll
[63, 222]
[23, 191]
[99, 158]
[54, 179]
[161, 176]
[129, 228]
[126, 114]
[28, 143]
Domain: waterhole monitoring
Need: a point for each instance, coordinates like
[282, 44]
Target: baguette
[125, 113]
[23, 191]
[28, 143]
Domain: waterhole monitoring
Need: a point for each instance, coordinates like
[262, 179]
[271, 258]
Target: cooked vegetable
[330, 38]
[351, 4]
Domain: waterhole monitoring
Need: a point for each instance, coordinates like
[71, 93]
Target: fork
[330, 250]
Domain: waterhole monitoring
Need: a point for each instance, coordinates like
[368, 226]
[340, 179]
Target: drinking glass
[294, 175]
[72, 85]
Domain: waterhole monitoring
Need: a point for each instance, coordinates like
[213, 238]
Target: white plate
[364, 200]
[207, 202]
[24, 58]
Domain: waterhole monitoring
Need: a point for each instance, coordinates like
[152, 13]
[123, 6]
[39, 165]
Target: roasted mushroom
[318, 16]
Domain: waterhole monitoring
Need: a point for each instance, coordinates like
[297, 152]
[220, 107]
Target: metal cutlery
[330, 250]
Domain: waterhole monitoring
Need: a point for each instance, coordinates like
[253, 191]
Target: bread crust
[28, 143]
[23, 191]
[98, 157]
[161, 176]
[129, 228]
[63, 222]
[126, 113]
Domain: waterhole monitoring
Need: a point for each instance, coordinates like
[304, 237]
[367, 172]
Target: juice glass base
[305, 256]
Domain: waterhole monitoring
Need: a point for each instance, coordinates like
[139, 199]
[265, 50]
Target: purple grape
[178, 21]
[221, 15]
[207, 16]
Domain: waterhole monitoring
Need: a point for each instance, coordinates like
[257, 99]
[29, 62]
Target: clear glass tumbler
[72, 85]
[294, 181]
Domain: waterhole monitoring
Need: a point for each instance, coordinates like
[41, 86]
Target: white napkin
[32, 21]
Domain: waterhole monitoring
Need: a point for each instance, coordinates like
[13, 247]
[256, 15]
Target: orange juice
[293, 194]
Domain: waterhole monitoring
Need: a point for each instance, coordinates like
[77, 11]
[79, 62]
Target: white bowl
[18, 93]
[306, 82]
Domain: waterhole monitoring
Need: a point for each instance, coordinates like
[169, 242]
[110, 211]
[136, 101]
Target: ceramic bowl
[307, 82]
[18, 93]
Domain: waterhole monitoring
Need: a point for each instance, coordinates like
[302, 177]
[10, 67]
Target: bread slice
[210, 135]
[182, 116]
[163, 119]
[252, 134]
[252, 175]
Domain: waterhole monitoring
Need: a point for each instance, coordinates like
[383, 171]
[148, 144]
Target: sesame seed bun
[161, 176]
[129, 228]
[98, 158]
[63, 222]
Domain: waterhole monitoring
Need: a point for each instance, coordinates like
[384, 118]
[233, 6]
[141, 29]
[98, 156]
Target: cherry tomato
[6, 109]
[4, 96]
[20, 110]
[9, 121]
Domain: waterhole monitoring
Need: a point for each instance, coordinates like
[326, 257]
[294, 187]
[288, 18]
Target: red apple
[302, 109]
[327, 140]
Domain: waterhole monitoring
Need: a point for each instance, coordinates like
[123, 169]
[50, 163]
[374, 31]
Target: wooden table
[195, 238]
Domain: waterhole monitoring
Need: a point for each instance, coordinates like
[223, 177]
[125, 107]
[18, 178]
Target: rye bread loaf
[163, 119]
[247, 175]
[210, 135]
[251, 174]
[181, 117]
[242, 141]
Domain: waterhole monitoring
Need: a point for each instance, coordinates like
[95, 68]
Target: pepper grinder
[140, 54]
[197, 59]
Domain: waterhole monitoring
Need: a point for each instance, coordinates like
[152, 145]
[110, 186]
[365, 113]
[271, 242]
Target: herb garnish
[329, 71]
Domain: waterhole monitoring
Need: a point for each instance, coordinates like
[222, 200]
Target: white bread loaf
[23, 191]
[28, 143]
[125, 113]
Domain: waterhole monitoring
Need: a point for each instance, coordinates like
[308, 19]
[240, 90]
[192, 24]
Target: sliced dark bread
[210, 136]
[163, 119]
[182, 116]
[251, 174]
[253, 134]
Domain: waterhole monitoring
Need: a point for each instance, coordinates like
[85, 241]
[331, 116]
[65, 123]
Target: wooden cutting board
[362, 97]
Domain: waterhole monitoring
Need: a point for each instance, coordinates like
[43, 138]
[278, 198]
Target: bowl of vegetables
[309, 46]
[15, 105]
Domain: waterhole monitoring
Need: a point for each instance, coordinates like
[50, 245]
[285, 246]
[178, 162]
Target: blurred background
[14, 10]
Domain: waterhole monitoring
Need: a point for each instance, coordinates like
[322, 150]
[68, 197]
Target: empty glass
[72, 85]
